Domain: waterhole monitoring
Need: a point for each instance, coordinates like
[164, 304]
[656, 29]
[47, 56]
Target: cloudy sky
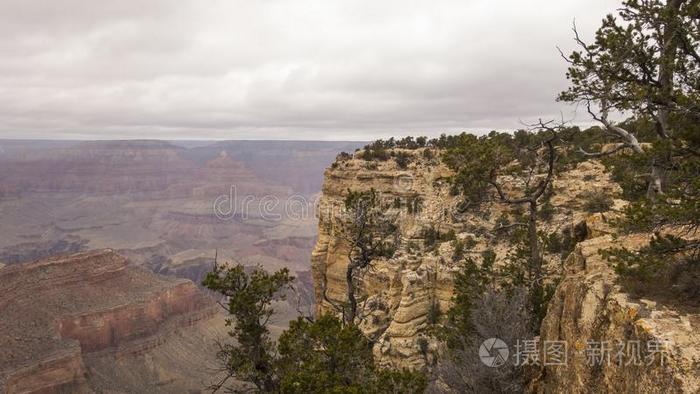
[282, 69]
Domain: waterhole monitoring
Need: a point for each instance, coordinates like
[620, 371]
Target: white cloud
[332, 69]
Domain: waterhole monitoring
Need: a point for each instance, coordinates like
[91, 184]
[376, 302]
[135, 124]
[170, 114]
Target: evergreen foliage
[644, 61]
[312, 356]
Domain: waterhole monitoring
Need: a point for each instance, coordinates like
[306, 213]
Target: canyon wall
[71, 323]
[169, 207]
[401, 293]
[403, 288]
[646, 346]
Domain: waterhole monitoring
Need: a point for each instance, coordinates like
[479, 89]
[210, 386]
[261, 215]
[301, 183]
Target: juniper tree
[247, 301]
[370, 233]
[313, 355]
[645, 62]
[528, 159]
[327, 356]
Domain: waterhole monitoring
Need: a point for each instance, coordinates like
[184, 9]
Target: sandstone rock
[589, 305]
[408, 284]
[419, 277]
[55, 314]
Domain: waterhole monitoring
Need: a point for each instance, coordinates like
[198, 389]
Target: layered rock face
[401, 290]
[589, 306]
[401, 293]
[86, 322]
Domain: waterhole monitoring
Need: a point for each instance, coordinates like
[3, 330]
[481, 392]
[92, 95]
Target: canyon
[104, 245]
[92, 322]
[154, 202]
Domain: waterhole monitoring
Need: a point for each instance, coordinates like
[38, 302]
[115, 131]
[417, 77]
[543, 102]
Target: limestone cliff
[589, 306]
[402, 289]
[401, 293]
[91, 322]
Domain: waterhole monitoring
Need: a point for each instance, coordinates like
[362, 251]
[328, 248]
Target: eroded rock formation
[91, 322]
[401, 293]
[644, 346]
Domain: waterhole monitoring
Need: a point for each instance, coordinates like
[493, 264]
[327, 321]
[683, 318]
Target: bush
[403, 159]
[481, 310]
[562, 244]
[594, 202]
[662, 268]
[326, 356]
[434, 313]
[371, 166]
[432, 236]
[547, 211]
[375, 151]
[343, 156]
[461, 246]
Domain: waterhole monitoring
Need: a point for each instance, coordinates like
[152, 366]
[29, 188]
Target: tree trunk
[669, 48]
[350, 312]
[667, 65]
[655, 186]
[535, 258]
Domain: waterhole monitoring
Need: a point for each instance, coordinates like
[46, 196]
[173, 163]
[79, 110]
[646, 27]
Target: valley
[154, 203]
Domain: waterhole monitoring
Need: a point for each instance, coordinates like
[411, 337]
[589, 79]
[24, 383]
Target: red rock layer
[53, 312]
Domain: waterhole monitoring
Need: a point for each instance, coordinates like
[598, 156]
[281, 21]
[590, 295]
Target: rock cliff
[91, 322]
[402, 289]
[643, 346]
[400, 294]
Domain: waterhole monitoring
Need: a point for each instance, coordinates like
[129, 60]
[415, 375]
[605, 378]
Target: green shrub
[547, 211]
[662, 268]
[434, 313]
[562, 244]
[433, 236]
[375, 151]
[403, 159]
[595, 202]
[371, 166]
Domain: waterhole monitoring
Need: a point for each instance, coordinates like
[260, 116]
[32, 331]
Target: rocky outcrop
[404, 291]
[65, 320]
[401, 293]
[617, 343]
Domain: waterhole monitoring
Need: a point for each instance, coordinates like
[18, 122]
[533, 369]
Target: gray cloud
[302, 69]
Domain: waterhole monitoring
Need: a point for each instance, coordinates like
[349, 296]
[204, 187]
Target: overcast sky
[282, 69]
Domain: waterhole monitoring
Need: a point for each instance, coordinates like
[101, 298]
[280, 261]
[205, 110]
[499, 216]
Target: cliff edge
[404, 295]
